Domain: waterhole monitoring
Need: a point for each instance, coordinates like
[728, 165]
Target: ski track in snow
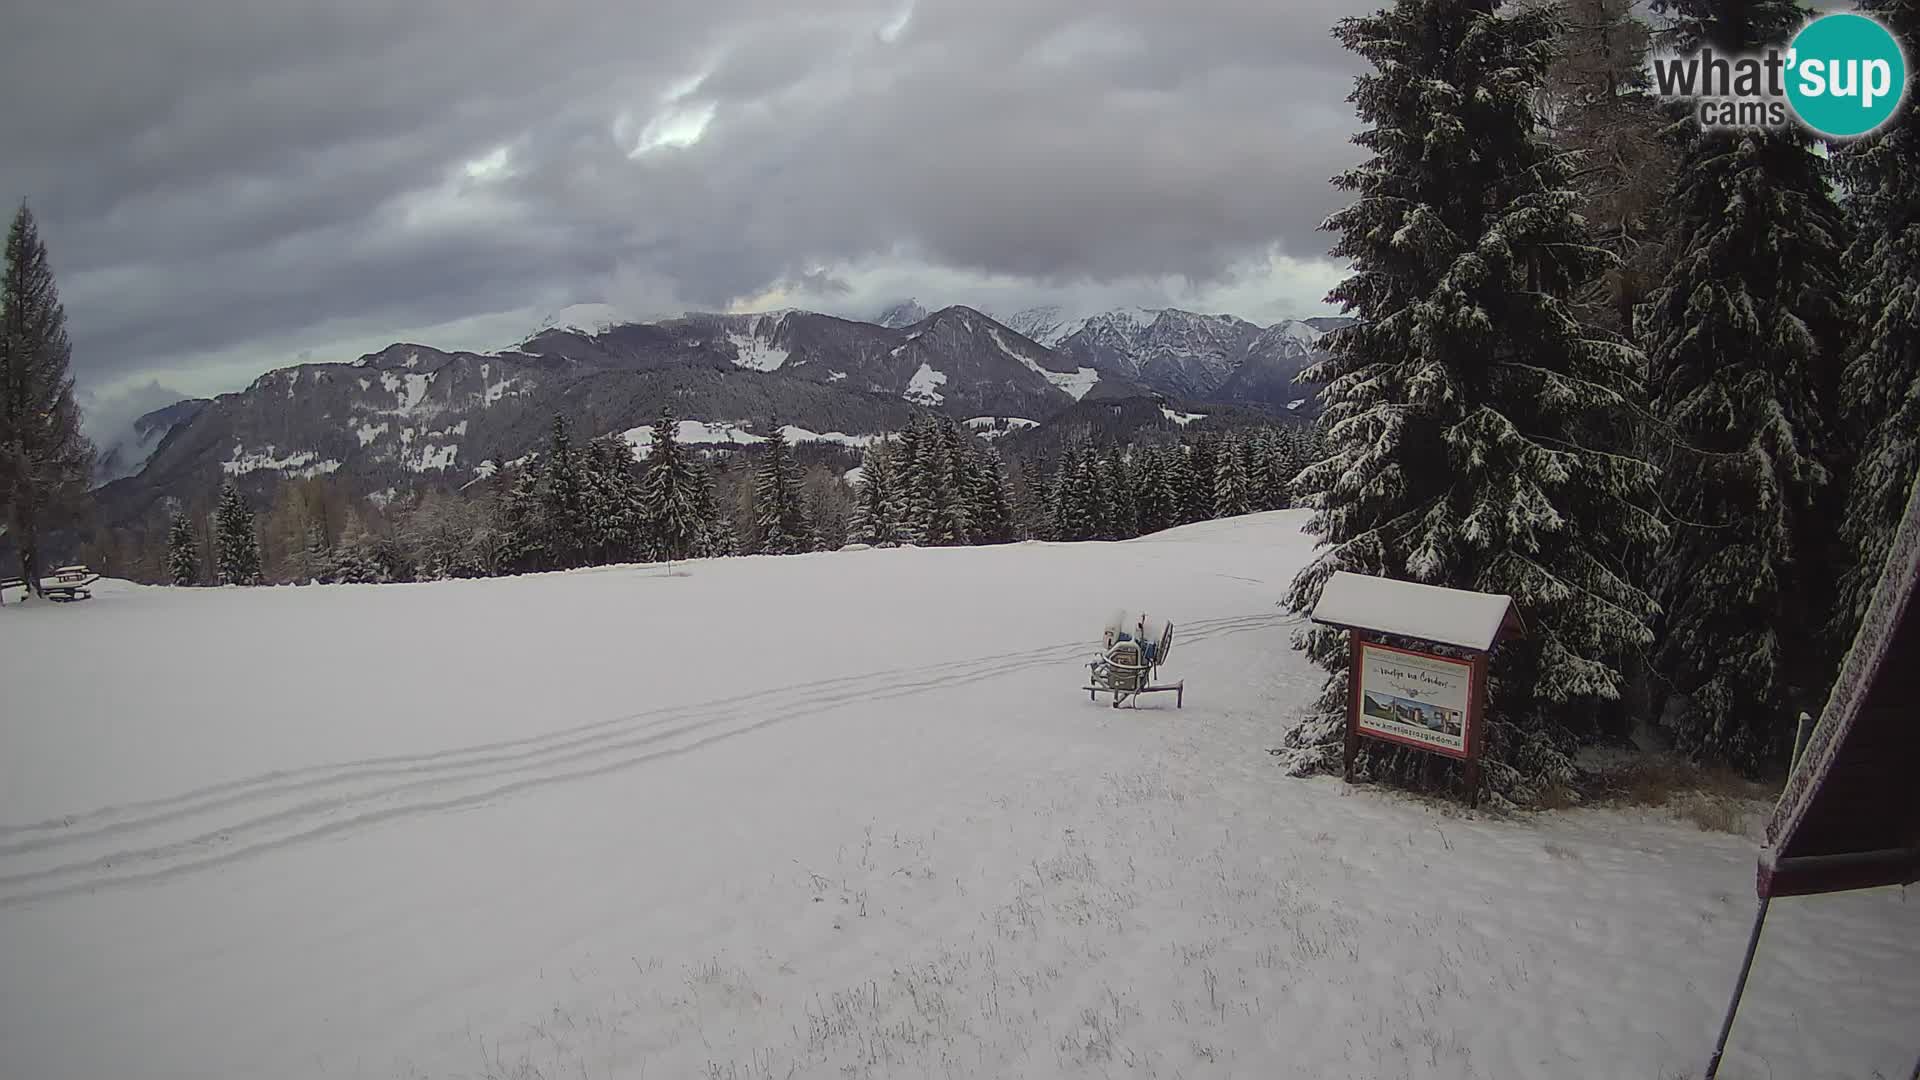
[511, 765]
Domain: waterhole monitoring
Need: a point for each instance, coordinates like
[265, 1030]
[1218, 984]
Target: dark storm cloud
[219, 172]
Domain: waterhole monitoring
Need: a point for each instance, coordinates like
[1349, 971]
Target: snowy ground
[827, 816]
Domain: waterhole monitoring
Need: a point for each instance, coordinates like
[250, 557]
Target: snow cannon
[1132, 648]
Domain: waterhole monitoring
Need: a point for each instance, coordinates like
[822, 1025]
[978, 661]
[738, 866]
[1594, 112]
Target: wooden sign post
[1412, 697]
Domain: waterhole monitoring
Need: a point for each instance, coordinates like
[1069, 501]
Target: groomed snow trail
[837, 815]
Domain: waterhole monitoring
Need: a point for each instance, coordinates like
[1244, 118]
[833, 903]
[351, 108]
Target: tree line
[932, 484]
[1660, 383]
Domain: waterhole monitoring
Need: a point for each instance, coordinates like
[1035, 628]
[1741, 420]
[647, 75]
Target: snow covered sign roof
[1468, 620]
[1850, 815]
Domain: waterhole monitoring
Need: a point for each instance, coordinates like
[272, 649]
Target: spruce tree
[45, 462]
[920, 488]
[716, 538]
[236, 540]
[521, 520]
[955, 468]
[1123, 513]
[1203, 460]
[310, 559]
[1600, 105]
[1880, 397]
[670, 496]
[1289, 458]
[1458, 406]
[1181, 481]
[565, 501]
[1232, 490]
[1158, 506]
[781, 526]
[1745, 334]
[183, 551]
[1075, 495]
[617, 528]
[991, 508]
[869, 524]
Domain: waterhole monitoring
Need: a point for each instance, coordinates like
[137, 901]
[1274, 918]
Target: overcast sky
[230, 186]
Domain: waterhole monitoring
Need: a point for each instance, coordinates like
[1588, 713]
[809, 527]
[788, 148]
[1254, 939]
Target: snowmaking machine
[1131, 653]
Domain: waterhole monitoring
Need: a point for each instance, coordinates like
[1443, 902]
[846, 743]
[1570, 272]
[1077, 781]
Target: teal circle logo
[1846, 74]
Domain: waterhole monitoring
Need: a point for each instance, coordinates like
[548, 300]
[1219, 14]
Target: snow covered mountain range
[412, 415]
[1217, 358]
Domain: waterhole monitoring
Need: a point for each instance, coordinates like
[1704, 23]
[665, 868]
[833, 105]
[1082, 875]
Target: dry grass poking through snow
[1714, 799]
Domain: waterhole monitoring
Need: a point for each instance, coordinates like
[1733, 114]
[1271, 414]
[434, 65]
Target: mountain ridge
[412, 415]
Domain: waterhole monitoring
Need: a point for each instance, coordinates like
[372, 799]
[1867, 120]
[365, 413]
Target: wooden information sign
[1416, 698]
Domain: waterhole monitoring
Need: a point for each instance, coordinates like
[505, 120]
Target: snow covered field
[829, 816]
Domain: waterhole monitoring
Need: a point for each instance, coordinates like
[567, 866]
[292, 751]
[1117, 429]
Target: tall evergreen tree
[615, 525]
[45, 462]
[878, 507]
[1121, 512]
[1600, 105]
[781, 526]
[1457, 408]
[1880, 397]
[992, 510]
[520, 519]
[954, 466]
[1232, 489]
[183, 551]
[1745, 334]
[565, 501]
[918, 503]
[236, 540]
[1203, 459]
[1289, 458]
[1182, 480]
[718, 539]
[1029, 497]
[670, 497]
[1158, 506]
[1076, 495]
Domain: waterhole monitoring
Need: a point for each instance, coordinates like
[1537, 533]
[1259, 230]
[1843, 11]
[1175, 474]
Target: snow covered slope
[823, 816]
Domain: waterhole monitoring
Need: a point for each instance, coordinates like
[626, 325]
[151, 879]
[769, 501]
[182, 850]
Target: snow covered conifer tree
[1458, 407]
[1880, 397]
[520, 518]
[992, 511]
[1600, 97]
[1232, 491]
[1177, 465]
[1122, 514]
[781, 527]
[876, 500]
[563, 503]
[670, 495]
[1076, 495]
[1745, 339]
[1060, 500]
[616, 525]
[1289, 458]
[235, 538]
[1203, 457]
[955, 468]
[913, 467]
[716, 538]
[183, 551]
[1158, 506]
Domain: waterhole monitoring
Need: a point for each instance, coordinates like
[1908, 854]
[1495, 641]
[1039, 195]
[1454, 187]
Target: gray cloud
[227, 179]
